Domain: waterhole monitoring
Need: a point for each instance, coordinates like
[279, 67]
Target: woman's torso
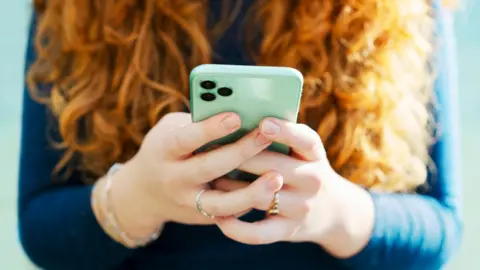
[205, 247]
[183, 247]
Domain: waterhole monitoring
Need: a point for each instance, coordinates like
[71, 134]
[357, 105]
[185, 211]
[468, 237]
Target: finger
[226, 185]
[295, 173]
[220, 203]
[267, 231]
[303, 140]
[192, 217]
[205, 167]
[290, 204]
[184, 140]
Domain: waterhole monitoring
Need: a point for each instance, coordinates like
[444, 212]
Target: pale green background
[13, 26]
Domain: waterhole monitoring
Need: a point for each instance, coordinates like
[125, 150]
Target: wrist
[128, 213]
[353, 221]
[135, 208]
[134, 199]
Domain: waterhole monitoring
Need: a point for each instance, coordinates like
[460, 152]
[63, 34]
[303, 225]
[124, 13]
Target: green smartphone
[253, 92]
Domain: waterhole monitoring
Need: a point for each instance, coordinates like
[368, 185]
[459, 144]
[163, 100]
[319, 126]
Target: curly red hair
[116, 67]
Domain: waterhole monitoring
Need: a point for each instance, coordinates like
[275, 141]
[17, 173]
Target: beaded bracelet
[110, 221]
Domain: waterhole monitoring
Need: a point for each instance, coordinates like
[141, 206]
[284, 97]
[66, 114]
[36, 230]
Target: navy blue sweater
[58, 229]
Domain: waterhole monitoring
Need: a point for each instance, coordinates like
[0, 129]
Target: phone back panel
[257, 92]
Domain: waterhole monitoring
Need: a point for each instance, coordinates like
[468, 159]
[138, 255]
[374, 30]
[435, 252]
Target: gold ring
[274, 210]
[199, 205]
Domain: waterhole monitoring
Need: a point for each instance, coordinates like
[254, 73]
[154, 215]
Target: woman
[110, 84]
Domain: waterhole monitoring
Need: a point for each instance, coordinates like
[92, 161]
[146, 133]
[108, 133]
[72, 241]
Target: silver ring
[199, 205]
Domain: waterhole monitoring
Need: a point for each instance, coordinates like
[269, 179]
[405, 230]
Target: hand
[161, 182]
[316, 204]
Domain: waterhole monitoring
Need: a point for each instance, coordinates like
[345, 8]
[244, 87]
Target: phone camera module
[208, 97]
[209, 85]
[225, 91]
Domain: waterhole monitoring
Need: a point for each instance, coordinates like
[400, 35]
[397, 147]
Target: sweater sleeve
[57, 227]
[422, 231]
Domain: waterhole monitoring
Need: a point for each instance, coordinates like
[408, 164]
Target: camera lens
[208, 97]
[207, 85]
[225, 92]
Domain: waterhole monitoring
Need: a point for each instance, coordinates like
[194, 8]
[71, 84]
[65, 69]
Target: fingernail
[231, 122]
[270, 128]
[260, 140]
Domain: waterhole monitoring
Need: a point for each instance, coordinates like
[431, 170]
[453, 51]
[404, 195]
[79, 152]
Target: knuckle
[311, 145]
[181, 199]
[204, 169]
[174, 119]
[314, 181]
[304, 208]
[153, 141]
[176, 140]
[165, 119]
[245, 151]
[307, 129]
[168, 117]
[291, 136]
[169, 180]
[313, 140]
[173, 140]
